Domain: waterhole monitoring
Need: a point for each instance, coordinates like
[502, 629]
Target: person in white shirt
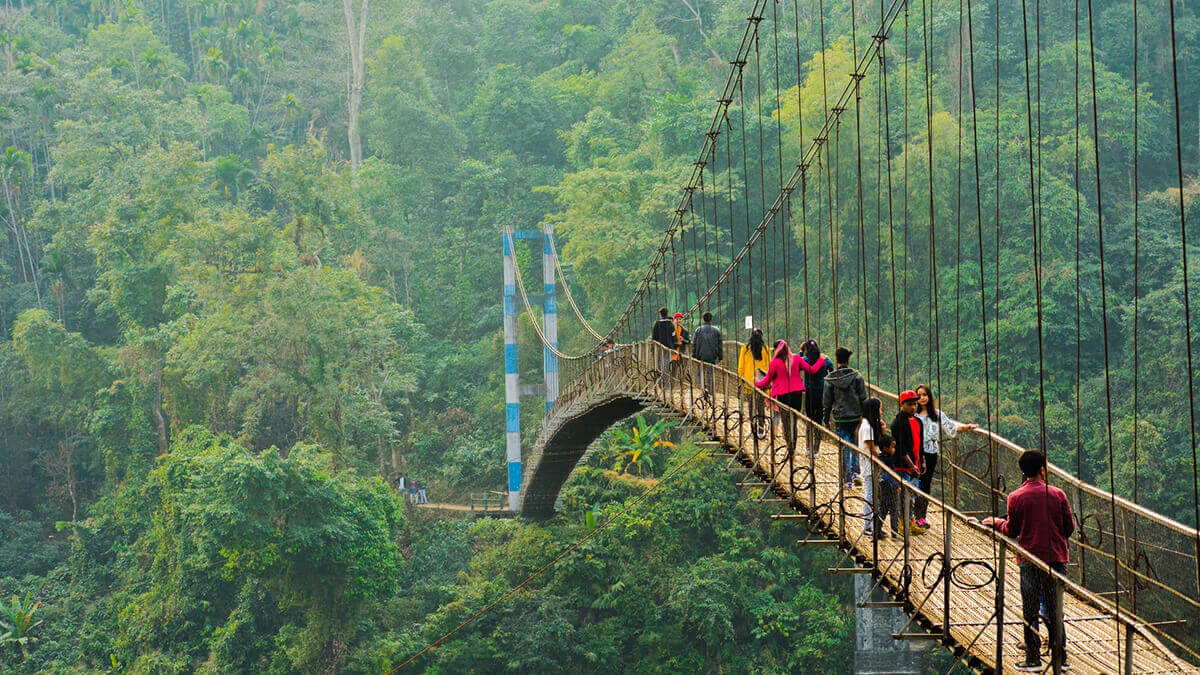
[869, 430]
[935, 423]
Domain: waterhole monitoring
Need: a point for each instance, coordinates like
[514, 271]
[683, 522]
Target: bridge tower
[876, 651]
[513, 388]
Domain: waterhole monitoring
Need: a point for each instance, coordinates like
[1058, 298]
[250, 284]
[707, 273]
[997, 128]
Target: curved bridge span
[972, 605]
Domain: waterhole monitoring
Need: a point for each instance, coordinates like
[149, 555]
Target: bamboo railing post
[906, 528]
[841, 489]
[1000, 574]
[812, 474]
[947, 571]
[1128, 670]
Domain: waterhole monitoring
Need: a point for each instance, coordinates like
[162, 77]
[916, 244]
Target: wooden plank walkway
[1096, 642]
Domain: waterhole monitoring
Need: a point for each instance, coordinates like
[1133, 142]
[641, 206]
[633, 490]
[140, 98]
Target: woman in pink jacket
[785, 374]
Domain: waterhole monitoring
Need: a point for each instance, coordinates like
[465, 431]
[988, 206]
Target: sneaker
[857, 482]
[1030, 666]
[923, 524]
[917, 529]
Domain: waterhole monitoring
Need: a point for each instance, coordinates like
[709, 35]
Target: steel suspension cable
[935, 365]
[1187, 307]
[785, 223]
[983, 315]
[814, 147]
[864, 333]
[1104, 310]
[567, 293]
[1034, 204]
[887, 126]
[528, 307]
[904, 155]
[958, 207]
[1136, 283]
[804, 169]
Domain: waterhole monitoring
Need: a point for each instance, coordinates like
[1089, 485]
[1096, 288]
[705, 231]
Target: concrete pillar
[512, 389]
[549, 317]
[875, 651]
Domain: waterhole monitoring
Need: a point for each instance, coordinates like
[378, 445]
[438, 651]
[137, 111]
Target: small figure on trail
[779, 377]
[1039, 518]
[870, 429]
[936, 423]
[814, 383]
[908, 432]
[887, 501]
[707, 348]
[753, 361]
[843, 399]
[421, 493]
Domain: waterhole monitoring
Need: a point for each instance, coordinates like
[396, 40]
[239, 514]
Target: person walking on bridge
[906, 458]
[1040, 519]
[869, 431]
[936, 423]
[842, 400]
[819, 366]
[707, 348]
[678, 341]
[779, 377]
[661, 333]
[753, 362]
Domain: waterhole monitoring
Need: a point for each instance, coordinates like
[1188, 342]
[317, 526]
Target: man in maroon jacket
[1039, 518]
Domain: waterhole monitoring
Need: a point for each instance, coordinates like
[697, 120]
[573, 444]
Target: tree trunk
[356, 32]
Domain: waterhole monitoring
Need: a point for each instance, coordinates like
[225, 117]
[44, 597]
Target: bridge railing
[1152, 558]
[716, 398]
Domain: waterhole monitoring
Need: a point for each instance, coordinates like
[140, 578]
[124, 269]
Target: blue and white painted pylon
[549, 318]
[512, 387]
[512, 384]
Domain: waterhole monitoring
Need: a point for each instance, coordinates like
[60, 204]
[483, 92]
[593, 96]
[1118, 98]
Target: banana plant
[636, 446]
[17, 623]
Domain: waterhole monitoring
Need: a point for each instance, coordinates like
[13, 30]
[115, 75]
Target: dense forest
[250, 273]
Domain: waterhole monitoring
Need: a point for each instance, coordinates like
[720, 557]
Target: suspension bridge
[810, 200]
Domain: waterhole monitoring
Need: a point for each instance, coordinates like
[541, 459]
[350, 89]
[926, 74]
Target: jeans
[812, 410]
[887, 504]
[795, 401]
[1038, 587]
[908, 495]
[868, 488]
[928, 468]
[847, 431]
[705, 374]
